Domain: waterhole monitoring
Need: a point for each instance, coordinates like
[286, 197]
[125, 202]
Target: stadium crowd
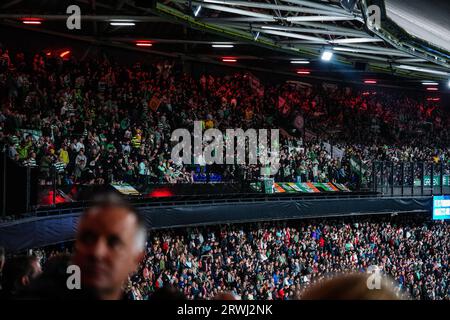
[281, 260]
[97, 121]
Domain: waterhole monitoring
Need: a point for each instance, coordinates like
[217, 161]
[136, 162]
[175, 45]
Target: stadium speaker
[149, 4]
[360, 66]
[348, 5]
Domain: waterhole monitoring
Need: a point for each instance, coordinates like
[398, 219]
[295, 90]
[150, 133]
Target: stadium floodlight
[326, 55]
[122, 23]
[272, 28]
[229, 60]
[420, 69]
[197, 11]
[222, 46]
[65, 53]
[33, 21]
[429, 83]
[144, 43]
[300, 61]
[356, 40]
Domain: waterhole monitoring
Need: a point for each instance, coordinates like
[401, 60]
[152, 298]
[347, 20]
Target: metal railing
[409, 178]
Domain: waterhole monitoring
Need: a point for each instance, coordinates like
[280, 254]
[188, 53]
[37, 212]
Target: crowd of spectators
[279, 260]
[282, 260]
[96, 121]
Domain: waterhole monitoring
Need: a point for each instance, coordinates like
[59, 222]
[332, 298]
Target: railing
[410, 178]
[380, 179]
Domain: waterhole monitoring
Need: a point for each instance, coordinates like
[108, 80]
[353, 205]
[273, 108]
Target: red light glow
[144, 44]
[161, 193]
[229, 59]
[64, 54]
[34, 21]
[370, 81]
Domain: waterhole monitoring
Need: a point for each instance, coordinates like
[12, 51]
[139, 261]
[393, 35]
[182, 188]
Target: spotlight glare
[197, 11]
[144, 44]
[65, 53]
[121, 23]
[326, 55]
[34, 21]
[429, 83]
[222, 46]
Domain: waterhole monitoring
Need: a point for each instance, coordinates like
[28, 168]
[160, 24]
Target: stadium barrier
[43, 231]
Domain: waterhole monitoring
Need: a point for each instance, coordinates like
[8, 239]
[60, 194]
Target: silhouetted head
[109, 245]
[17, 274]
[355, 286]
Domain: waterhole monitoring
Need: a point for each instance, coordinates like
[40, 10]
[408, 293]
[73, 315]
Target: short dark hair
[16, 268]
[111, 199]
[167, 293]
[108, 200]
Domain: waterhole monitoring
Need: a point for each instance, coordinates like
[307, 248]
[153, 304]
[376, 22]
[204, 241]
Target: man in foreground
[109, 245]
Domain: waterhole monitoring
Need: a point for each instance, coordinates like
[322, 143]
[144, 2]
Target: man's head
[17, 274]
[109, 245]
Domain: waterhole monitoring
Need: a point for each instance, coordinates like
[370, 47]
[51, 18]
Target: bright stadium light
[300, 61]
[326, 55]
[122, 23]
[429, 83]
[65, 53]
[197, 11]
[144, 44]
[420, 69]
[222, 46]
[34, 21]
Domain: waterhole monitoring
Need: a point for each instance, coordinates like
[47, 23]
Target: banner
[307, 187]
[154, 103]
[335, 152]
[338, 153]
[436, 181]
[357, 166]
[255, 84]
[126, 189]
[268, 185]
[36, 134]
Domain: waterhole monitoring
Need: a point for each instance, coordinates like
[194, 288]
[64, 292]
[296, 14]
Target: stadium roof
[262, 34]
